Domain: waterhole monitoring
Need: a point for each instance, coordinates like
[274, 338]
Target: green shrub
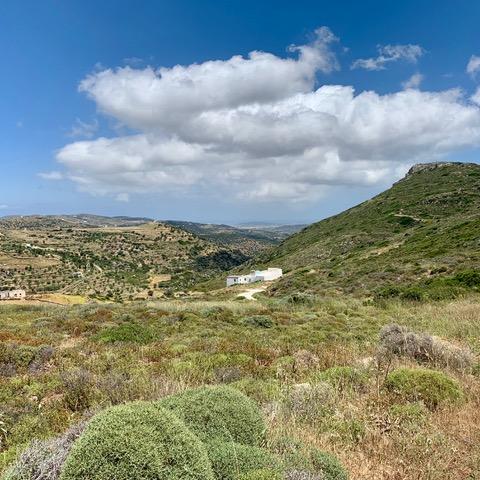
[328, 464]
[260, 321]
[413, 293]
[468, 278]
[231, 460]
[299, 461]
[137, 441]
[409, 416]
[126, 332]
[77, 386]
[420, 384]
[221, 413]
[262, 474]
[262, 391]
[299, 298]
[17, 355]
[344, 378]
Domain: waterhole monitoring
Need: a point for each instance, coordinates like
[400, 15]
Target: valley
[111, 262]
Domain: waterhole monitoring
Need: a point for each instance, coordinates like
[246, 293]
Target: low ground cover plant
[420, 384]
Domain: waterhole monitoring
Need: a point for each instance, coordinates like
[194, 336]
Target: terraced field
[115, 262]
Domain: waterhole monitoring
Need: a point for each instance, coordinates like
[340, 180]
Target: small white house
[255, 276]
[13, 295]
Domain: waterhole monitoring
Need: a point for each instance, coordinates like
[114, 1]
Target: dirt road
[248, 294]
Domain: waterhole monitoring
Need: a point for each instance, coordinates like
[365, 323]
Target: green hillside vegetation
[384, 387]
[119, 260]
[362, 362]
[145, 440]
[249, 241]
[418, 239]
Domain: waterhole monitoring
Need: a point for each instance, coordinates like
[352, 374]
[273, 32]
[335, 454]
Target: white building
[13, 294]
[255, 276]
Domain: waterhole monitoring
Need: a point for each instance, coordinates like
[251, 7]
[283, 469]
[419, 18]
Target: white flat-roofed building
[255, 276]
[13, 294]
[239, 279]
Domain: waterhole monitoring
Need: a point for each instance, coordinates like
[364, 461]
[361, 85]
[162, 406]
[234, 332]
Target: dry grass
[177, 344]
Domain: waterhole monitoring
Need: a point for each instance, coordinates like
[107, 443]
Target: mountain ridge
[424, 227]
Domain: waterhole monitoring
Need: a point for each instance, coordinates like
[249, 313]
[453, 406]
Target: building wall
[239, 280]
[255, 276]
[13, 295]
[271, 274]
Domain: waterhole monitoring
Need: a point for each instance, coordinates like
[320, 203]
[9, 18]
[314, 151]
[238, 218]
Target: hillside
[250, 240]
[114, 258]
[424, 231]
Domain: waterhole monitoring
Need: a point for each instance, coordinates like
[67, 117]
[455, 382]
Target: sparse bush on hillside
[78, 389]
[43, 459]
[420, 384]
[138, 441]
[231, 460]
[344, 378]
[328, 464]
[262, 391]
[307, 402]
[468, 278]
[221, 413]
[126, 332]
[398, 340]
[260, 321]
[408, 416]
[304, 463]
[412, 293]
[300, 298]
[304, 361]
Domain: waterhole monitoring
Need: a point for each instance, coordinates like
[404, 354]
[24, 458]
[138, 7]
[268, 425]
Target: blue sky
[277, 137]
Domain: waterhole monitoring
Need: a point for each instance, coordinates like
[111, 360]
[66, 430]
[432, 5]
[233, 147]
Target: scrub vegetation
[362, 362]
[417, 240]
[335, 385]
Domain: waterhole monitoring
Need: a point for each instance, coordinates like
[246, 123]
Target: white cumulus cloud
[83, 129]
[261, 128]
[388, 54]
[475, 98]
[413, 82]
[473, 65]
[53, 175]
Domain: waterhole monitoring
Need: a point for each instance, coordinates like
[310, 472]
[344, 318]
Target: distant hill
[105, 257]
[81, 220]
[249, 239]
[281, 229]
[421, 235]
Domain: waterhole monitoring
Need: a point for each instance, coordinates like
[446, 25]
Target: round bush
[421, 384]
[221, 413]
[137, 441]
[231, 461]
